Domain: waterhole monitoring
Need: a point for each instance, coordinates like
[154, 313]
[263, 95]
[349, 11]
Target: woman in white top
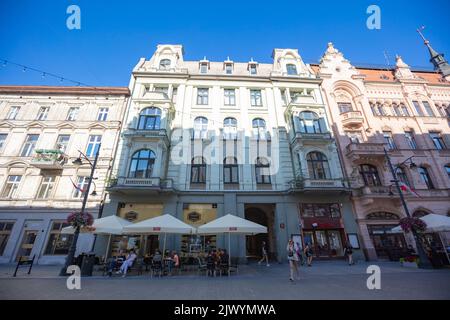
[128, 263]
[293, 260]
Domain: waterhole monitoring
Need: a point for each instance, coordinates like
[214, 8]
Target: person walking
[293, 260]
[308, 254]
[348, 251]
[265, 255]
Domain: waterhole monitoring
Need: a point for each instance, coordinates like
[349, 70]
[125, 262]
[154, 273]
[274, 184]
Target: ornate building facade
[404, 111]
[42, 129]
[202, 139]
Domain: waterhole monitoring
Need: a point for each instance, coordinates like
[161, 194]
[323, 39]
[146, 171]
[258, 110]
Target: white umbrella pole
[164, 246]
[229, 252]
[107, 248]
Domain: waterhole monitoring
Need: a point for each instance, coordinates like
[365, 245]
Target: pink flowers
[78, 219]
[410, 224]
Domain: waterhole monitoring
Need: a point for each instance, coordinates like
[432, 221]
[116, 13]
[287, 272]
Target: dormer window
[164, 64]
[228, 68]
[252, 69]
[291, 69]
[203, 68]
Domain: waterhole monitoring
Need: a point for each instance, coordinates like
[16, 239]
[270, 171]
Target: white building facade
[203, 139]
[42, 130]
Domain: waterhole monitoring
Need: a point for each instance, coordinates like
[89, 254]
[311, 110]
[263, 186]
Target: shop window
[5, 233]
[58, 244]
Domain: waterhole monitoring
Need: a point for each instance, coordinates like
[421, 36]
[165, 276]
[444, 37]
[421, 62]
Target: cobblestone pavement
[324, 280]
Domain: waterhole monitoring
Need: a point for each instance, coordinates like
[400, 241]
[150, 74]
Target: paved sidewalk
[324, 280]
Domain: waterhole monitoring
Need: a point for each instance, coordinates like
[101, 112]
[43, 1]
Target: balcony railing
[313, 136]
[152, 183]
[303, 99]
[365, 149]
[352, 118]
[314, 184]
[49, 159]
[156, 95]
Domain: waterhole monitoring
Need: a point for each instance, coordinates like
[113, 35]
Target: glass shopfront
[325, 243]
[388, 245]
[197, 215]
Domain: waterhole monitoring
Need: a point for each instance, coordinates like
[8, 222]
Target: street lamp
[424, 262]
[78, 162]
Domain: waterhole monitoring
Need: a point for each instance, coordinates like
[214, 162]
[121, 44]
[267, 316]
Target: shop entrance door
[387, 245]
[325, 243]
[27, 244]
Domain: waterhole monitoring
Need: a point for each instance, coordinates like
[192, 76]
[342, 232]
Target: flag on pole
[406, 188]
[76, 186]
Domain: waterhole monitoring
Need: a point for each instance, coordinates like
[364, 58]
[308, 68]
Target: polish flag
[76, 187]
[405, 188]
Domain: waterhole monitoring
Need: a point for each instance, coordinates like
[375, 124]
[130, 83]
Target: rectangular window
[47, 184]
[203, 68]
[3, 137]
[228, 68]
[5, 232]
[29, 145]
[13, 112]
[202, 96]
[43, 113]
[328, 210]
[283, 97]
[58, 243]
[428, 109]
[256, 98]
[72, 114]
[345, 107]
[230, 97]
[102, 114]
[425, 177]
[354, 136]
[389, 140]
[409, 136]
[253, 69]
[374, 109]
[437, 140]
[418, 108]
[161, 89]
[62, 142]
[405, 111]
[81, 186]
[230, 173]
[93, 146]
[174, 94]
[11, 186]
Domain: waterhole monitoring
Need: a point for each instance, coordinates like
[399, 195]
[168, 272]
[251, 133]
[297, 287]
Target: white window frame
[254, 98]
[73, 114]
[43, 113]
[103, 114]
[94, 142]
[29, 146]
[14, 181]
[13, 112]
[47, 186]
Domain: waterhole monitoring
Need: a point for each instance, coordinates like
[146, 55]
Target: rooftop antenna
[386, 56]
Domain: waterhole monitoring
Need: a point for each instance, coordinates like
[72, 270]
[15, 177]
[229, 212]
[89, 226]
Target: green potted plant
[409, 262]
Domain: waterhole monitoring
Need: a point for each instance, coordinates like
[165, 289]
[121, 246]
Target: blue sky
[115, 34]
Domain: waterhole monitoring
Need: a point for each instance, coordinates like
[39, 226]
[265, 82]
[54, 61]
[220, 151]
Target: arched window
[370, 175]
[318, 166]
[420, 213]
[150, 119]
[200, 128]
[402, 177]
[259, 128]
[262, 171]
[230, 128]
[425, 177]
[310, 122]
[382, 216]
[164, 64]
[198, 170]
[142, 163]
[396, 109]
[291, 69]
[230, 170]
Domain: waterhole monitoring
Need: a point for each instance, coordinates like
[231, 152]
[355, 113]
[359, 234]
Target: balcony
[303, 99]
[352, 119]
[52, 159]
[324, 186]
[156, 96]
[156, 133]
[359, 150]
[139, 186]
[314, 138]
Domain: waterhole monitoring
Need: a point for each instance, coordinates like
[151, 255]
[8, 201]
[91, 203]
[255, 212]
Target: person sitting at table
[175, 259]
[157, 258]
[128, 263]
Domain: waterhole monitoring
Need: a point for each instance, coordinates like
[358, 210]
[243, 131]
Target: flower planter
[409, 264]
